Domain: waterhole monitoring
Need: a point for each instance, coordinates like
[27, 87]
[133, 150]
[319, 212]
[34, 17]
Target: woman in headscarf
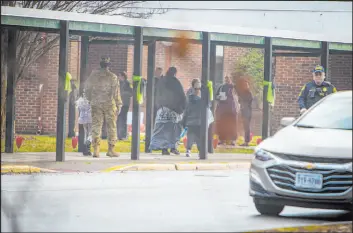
[226, 112]
[171, 103]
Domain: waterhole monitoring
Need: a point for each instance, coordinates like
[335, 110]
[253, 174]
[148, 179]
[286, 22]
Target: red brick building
[290, 74]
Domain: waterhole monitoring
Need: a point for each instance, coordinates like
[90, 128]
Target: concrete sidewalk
[76, 162]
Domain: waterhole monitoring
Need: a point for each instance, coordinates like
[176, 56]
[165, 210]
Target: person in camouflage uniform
[103, 93]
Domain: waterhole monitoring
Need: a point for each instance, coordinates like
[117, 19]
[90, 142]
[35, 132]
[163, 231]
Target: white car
[308, 163]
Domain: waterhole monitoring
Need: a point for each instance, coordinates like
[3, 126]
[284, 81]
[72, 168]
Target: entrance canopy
[88, 23]
[146, 30]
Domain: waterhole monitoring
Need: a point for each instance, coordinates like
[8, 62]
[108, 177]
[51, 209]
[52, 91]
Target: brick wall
[160, 60]
[74, 59]
[27, 104]
[116, 52]
[189, 67]
[44, 71]
[340, 71]
[290, 75]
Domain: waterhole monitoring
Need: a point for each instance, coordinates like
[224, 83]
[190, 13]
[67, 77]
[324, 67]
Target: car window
[331, 113]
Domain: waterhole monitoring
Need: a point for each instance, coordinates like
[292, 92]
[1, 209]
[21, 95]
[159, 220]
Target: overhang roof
[47, 19]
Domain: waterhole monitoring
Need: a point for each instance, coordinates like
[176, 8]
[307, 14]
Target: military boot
[111, 152]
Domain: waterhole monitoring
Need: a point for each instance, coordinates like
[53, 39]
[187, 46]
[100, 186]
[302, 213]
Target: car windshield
[332, 113]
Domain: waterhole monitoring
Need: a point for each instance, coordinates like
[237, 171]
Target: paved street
[145, 201]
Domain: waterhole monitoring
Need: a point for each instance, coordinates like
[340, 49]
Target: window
[334, 112]
[219, 65]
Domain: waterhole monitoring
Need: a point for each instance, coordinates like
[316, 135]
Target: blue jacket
[312, 93]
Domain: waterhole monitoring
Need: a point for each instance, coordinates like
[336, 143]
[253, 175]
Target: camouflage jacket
[102, 87]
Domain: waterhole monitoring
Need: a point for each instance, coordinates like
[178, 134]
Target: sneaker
[188, 153]
[175, 151]
[165, 152]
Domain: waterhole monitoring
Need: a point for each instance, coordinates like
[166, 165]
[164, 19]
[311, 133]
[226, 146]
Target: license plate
[308, 180]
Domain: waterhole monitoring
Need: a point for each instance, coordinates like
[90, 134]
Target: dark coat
[125, 92]
[245, 101]
[170, 94]
[192, 115]
[312, 93]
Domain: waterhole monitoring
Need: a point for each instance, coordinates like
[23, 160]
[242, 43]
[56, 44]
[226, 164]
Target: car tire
[267, 209]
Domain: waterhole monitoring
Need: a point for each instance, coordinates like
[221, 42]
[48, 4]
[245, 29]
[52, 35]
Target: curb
[178, 167]
[16, 169]
[325, 227]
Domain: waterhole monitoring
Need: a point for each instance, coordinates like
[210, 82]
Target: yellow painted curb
[141, 167]
[186, 166]
[23, 169]
[117, 168]
[311, 228]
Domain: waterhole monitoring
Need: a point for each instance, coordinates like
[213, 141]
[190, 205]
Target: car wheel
[267, 209]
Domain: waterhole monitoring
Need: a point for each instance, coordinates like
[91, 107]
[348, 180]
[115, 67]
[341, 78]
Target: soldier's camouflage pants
[99, 114]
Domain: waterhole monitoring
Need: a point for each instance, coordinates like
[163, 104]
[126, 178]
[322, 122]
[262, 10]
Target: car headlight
[349, 167]
[263, 155]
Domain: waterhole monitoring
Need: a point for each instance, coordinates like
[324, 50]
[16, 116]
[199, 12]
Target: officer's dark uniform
[312, 93]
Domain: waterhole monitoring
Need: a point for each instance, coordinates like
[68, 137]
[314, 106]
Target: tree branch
[30, 46]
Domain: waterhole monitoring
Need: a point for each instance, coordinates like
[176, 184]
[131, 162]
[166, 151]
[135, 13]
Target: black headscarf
[170, 92]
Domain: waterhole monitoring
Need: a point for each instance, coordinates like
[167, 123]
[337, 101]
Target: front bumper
[264, 190]
[263, 197]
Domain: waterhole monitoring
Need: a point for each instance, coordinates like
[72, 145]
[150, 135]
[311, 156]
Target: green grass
[48, 144]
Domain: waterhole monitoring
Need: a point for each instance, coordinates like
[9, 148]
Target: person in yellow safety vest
[315, 90]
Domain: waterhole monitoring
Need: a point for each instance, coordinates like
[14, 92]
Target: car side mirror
[285, 121]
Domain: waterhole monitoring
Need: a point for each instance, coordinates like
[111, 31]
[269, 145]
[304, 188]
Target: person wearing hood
[315, 90]
[171, 103]
[192, 117]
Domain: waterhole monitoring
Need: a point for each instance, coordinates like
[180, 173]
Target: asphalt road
[144, 201]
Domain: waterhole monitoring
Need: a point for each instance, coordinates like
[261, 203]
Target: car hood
[327, 143]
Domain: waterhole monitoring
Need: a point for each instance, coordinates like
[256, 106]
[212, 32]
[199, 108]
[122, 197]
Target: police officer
[103, 93]
[315, 90]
